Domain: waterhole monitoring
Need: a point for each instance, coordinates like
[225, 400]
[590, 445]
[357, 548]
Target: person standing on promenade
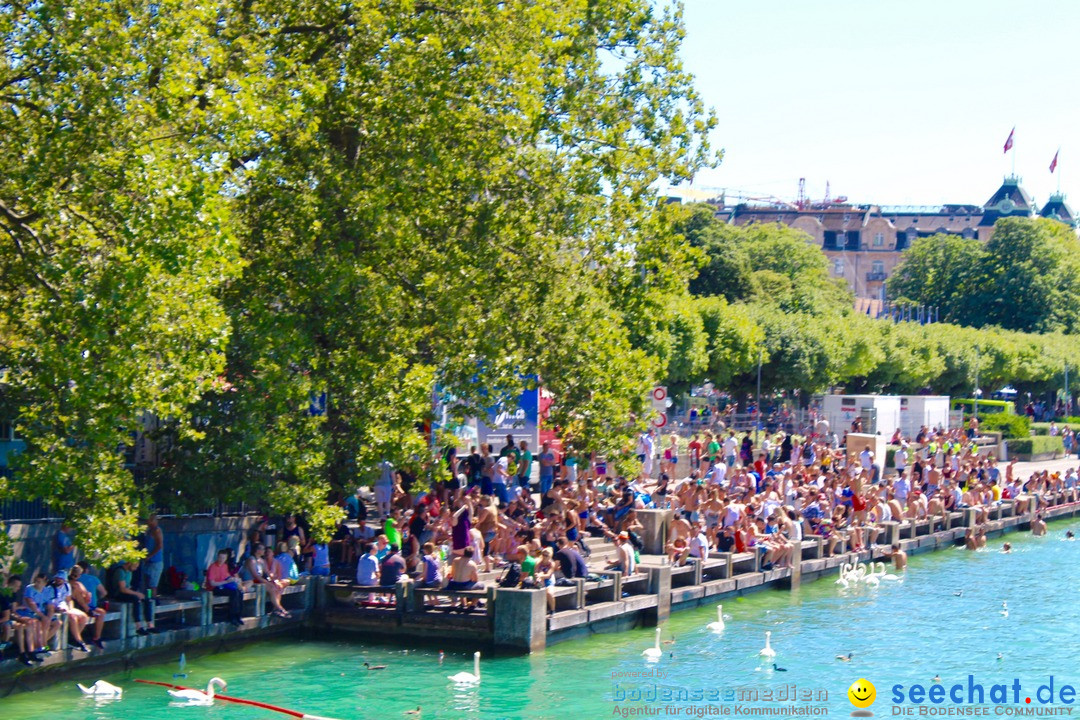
[154, 541]
[64, 550]
[547, 468]
[384, 488]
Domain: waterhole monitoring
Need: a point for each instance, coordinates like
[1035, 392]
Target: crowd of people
[492, 520]
[728, 496]
[31, 617]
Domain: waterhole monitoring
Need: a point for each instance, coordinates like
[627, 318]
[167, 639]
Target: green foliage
[940, 271]
[778, 253]
[767, 263]
[117, 239]
[215, 213]
[726, 270]
[1040, 428]
[1009, 425]
[1036, 445]
[734, 339]
[1019, 280]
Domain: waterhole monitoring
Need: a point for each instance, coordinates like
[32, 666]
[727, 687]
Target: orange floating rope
[242, 701]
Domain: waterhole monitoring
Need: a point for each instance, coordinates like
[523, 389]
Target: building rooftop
[1056, 209]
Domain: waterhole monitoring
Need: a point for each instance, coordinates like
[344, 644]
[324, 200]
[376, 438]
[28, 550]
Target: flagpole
[1057, 156]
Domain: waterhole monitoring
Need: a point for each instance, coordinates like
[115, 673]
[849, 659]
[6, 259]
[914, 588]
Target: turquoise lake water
[902, 632]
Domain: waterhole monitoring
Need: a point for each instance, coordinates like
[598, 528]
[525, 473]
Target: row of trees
[763, 290]
[1023, 278]
[214, 212]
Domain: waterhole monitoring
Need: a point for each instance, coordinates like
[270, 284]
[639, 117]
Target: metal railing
[34, 511]
[27, 511]
[793, 421]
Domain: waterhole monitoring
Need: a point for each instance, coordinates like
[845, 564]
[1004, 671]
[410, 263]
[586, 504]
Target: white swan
[845, 571]
[767, 651]
[101, 689]
[470, 678]
[884, 575]
[717, 626]
[198, 697]
[654, 653]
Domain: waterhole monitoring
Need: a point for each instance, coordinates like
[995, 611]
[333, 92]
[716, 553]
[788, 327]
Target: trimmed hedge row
[1043, 428]
[1035, 445]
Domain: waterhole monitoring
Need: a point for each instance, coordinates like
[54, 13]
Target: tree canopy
[1020, 279]
[800, 322]
[223, 213]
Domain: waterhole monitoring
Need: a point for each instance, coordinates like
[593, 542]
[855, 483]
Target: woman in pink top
[223, 583]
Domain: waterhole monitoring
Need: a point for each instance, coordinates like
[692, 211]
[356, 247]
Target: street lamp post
[977, 390]
[1068, 398]
[757, 420]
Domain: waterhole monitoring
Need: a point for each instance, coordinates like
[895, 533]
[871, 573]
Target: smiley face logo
[862, 694]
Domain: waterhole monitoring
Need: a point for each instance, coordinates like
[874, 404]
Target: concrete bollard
[404, 597]
[260, 600]
[970, 515]
[126, 629]
[579, 595]
[319, 591]
[521, 619]
[62, 633]
[654, 530]
[659, 585]
[891, 531]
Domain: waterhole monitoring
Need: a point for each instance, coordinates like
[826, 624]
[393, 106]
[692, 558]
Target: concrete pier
[517, 620]
[513, 620]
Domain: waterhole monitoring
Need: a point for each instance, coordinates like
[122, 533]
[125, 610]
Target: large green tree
[456, 194]
[1019, 280]
[115, 236]
[940, 271]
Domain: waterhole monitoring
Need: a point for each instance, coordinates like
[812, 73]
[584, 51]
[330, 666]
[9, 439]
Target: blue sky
[892, 102]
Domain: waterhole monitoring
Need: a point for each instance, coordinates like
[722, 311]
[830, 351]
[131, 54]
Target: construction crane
[802, 202]
[726, 194]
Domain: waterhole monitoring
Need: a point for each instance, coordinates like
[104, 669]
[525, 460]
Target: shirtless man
[936, 508]
[487, 523]
[680, 528]
[896, 510]
[972, 498]
[899, 557]
[917, 505]
[1038, 525]
[465, 576]
[87, 604]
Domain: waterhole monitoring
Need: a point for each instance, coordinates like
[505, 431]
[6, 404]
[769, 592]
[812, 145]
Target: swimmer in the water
[1006, 548]
[899, 557]
[1069, 535]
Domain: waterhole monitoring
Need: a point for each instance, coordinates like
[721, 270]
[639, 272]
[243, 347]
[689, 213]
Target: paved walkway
[1024, 469]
